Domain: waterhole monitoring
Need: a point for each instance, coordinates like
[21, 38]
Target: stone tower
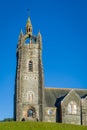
[29, 88]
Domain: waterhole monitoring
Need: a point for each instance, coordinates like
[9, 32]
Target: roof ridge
[58, 88]
[65, 88]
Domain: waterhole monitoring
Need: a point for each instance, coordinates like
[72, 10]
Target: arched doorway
[31, 113]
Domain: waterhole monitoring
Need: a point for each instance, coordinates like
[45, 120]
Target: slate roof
[53, 96]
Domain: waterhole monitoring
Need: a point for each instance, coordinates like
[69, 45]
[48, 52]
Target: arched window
[72, 108]
[29, 29]
[30, 66]
[30, 96]
[69, 108]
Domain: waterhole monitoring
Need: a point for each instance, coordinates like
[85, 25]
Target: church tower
[29, 88]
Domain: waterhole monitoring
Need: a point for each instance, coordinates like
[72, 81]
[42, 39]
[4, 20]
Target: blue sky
[63, 25]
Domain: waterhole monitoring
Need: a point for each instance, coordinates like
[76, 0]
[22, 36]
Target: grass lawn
[39, 126]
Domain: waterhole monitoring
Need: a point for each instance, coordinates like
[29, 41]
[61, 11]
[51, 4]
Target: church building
[32, 100]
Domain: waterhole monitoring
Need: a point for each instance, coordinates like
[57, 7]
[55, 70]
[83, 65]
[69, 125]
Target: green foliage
[38, 126]
[8, 119]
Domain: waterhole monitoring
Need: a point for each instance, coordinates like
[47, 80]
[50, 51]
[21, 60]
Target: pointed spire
[28, 22]
[39, 40]
[21, 34]
[29, 27]
[39, 36]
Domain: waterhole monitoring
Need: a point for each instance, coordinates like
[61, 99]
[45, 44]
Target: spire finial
[28, 10]
[39, 34]
[21, 32]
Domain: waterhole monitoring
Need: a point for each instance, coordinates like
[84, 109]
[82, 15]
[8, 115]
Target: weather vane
[28, 10]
